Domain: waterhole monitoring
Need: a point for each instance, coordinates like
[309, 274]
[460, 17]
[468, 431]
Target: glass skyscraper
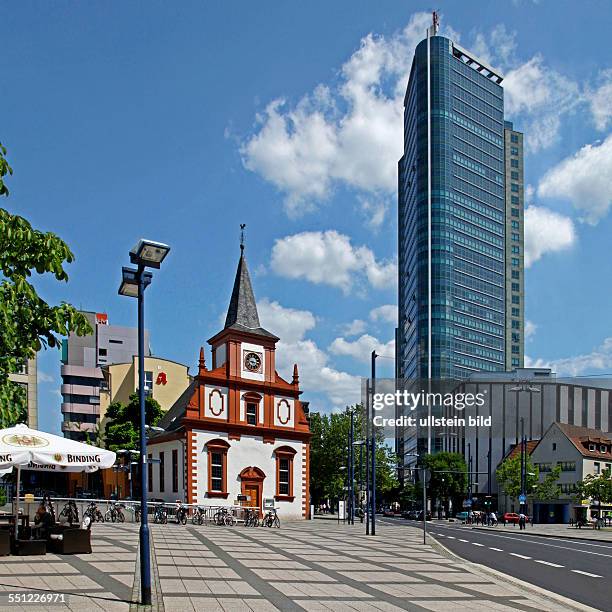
[460, 220]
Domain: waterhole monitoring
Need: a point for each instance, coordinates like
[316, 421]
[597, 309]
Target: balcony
[80, 390]
[73, 426]
[77, 409]
[71, 370]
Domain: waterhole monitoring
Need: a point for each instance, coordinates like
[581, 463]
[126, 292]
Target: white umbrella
[25, 448]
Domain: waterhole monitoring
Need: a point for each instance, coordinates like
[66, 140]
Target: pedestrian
[493, 519]
[521, 521]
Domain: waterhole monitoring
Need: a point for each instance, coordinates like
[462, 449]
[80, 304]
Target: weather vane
[242, 226]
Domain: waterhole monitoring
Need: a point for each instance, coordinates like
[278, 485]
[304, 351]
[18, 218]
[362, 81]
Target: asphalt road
[576, 569]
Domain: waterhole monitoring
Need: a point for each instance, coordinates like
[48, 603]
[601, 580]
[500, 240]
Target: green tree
[448, 479]
[509, 476]
[548, 489]
[123, 425]
[596, 487]
[27, 322]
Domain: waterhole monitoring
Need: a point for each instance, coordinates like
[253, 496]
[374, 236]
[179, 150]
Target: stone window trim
[221, 447]
[288, 453]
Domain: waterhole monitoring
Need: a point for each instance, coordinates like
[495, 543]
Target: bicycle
[115, 513]
[223, 517]
[181, 514]
[160, 514]
[93, 513]
[198, 516]
[135, 510]
[271, 519]
[70, 512]
[251, 518]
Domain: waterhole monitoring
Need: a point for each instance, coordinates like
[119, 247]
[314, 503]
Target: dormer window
[603, 448]
[592, 447]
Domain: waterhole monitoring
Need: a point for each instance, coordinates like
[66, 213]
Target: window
[251, 413]
[148, 383]
[162, 475]
[175, 471]
[567, 466]
[554, 446]
[514, 151]
[516, 324]
[515, 287]
[102, 352]
[516, 249]
[516, 312]
[150, 471]
[515, 225]
[603, 448]
[515, 261]
[516, 299]
[284, 473]
[516, 237]
[514, 175]
[514, 187]
[515, 362]
[592, 447]
[515, 212]
[515, 350]
[514, 138]
[515, 200]
[516, 275]
[516, 337]
[514, 163]
[217, 468]
[597, 467]
[111, 341]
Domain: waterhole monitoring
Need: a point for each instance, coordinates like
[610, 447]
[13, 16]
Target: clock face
[252, 362]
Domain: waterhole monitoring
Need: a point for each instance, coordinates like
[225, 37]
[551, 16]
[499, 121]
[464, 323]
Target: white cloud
[600, 100]
[375, 211]
[387, 313]
[329, 258]
[546, 232]
[599, 358]
[316, 374]
[539, 97]
[585, 179]
[354, 328]
[287, 323]
[350, 133]
[361, 349]
[530, 330]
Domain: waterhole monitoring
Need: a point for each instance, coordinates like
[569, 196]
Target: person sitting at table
[43, 521]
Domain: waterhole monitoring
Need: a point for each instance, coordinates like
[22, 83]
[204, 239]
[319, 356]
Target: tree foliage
[27, 322]
[122, 429]
[548, 489]
[328, 453]
[597, 487]
[448, 478]
[509, 476]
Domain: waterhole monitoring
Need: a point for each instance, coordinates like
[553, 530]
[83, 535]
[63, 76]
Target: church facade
[239, 433]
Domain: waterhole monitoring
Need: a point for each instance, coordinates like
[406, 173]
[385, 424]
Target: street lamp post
[373, 447]
[146, 254]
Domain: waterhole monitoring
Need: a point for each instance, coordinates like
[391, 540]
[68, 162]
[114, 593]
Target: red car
[512, 517]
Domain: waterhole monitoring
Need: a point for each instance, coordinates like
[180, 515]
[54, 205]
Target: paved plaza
[314, 566]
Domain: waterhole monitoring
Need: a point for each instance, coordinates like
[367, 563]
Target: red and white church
[239, 429]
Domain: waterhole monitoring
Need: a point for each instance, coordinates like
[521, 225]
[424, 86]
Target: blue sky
[178, 122]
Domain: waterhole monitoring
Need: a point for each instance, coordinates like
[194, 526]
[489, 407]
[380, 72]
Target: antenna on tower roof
[242, 226]
[436, 22]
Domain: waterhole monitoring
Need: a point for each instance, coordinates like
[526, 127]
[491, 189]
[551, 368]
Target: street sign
[522, 498]
[467, 503]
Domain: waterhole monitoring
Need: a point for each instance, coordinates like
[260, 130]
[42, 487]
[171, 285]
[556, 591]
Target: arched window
[217, 468]
[284, 473]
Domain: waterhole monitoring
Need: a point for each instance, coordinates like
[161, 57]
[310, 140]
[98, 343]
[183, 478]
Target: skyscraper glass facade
[452, 218]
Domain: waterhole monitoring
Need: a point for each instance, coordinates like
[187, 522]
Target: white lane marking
[497, 549]
[547, 563]
[477, 544]
[451, 537]
[520, 556]
[586, 573]
[541, 543]
[462, 540]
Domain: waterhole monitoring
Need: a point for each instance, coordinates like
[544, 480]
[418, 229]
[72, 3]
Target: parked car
[420, 516]
[513, 517]
[410, 514]
[388, 512]
[462, 516]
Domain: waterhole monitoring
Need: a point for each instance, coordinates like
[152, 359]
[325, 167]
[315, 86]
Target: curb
[552, 535]
[500, 577]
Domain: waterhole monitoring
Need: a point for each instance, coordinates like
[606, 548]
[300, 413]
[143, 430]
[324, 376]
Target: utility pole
[351, 472]
[367, 445]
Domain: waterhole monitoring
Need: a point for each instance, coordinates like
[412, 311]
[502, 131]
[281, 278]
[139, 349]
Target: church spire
[242, 312]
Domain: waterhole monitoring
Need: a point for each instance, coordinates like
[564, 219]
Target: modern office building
[82, 378]
[28, 378]
[460, 224]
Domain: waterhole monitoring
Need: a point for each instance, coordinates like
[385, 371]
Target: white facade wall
[243, 453]
[168, 494]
